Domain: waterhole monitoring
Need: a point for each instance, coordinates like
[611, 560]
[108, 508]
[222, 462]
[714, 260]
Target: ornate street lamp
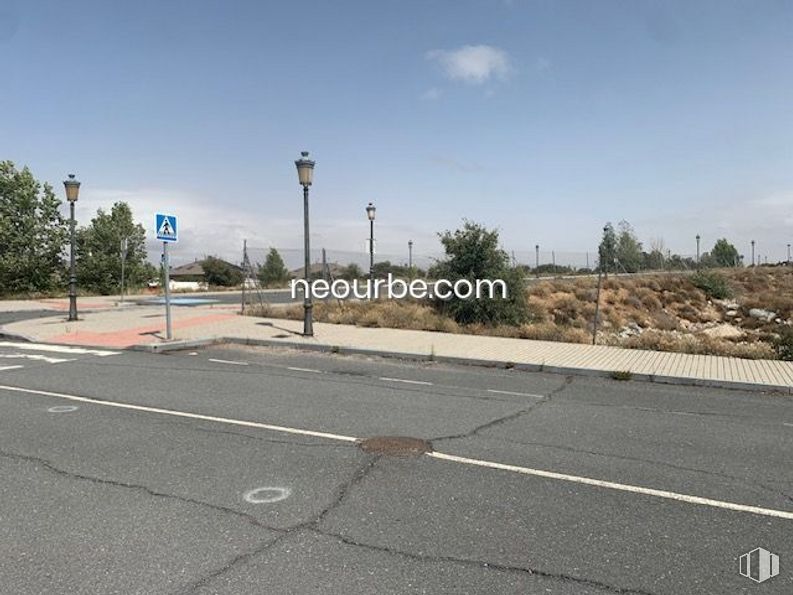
[370, 212]
[305, 174]
[72, 187]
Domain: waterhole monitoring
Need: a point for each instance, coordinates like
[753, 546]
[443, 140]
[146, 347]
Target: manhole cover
[396, 446]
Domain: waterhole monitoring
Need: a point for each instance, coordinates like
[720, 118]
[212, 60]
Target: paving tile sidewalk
[143, 326]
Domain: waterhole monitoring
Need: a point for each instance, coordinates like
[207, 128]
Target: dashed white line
[686, 498]
[422, 382]
[57, 348]
[509, 392]
[295, 369]
[10, 367]
[787, 424]
[227, 361]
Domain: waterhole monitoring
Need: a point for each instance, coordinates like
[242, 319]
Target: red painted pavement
[154, 333]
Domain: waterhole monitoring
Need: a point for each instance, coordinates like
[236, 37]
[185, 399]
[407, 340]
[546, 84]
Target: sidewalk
[143, 327]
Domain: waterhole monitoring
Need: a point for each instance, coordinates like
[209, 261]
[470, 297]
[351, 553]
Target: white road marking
[63, 408]
[782, 514]
[226, 361]
[266, 495]
[787, 424]
[769, 512]
[57, 348]
[387, 379]
[509, 392]
[10, 367]
[294, 369]
[43, 358]
[223, 420]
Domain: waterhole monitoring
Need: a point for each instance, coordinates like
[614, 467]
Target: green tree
[724, 254]
[32, 233]
[221, 273]
[351, 272]
[629, 248]
[99, 251]
[473, 253]
[607, 251]
[273, 272]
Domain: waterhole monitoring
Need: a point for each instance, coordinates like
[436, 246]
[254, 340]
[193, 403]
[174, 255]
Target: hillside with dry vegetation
[744, 313]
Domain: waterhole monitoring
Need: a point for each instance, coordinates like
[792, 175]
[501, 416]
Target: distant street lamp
[788, 253]
[370, 212]
[305, 174]
[537, 260]
[752, 252]
[72, 187]
[410, 253]
[698, 238]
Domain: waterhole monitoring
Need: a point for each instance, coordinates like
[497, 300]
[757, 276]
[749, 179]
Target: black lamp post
[788, 253]
[370, 212]
[410, 254]
[72, 187]
[305, 174]
[752, 252]
[537, 260]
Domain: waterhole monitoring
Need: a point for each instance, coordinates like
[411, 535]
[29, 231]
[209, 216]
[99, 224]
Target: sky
[544, 119]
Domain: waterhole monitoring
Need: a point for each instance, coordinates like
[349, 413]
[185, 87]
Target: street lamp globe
[72, 187]
[305, 169]
[370, 211]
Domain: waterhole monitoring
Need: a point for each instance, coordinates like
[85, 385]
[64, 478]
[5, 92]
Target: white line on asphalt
[294, 369]
[787, 424]
[226, 361]
[223, 420]
[782, 514]
[386, 378]
[10, 367]
[57, 348]
[35, 356]
[509, 392]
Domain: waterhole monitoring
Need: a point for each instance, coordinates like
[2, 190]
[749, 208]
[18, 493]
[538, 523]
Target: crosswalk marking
[34, 356]
[57, 348]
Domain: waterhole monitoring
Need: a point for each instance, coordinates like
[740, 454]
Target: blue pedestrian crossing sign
[166, 228]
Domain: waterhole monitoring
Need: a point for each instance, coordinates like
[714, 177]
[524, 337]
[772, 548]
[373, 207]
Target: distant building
[193, 271]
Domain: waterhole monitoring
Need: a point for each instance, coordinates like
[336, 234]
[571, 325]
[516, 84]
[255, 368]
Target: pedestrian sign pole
[166, 226]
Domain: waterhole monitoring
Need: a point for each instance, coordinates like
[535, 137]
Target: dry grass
[669, 311]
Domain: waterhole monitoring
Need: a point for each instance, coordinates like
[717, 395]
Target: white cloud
[432, 94]
[473, 64]
[214, 227]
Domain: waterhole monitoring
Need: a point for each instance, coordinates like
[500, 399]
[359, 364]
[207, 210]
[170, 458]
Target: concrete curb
[5, 335]
[179, 345]
[657, 379]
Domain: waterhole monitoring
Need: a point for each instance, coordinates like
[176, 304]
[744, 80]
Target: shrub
[783, 345]
[713, 284]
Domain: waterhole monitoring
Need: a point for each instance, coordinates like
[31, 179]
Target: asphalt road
[237, 471]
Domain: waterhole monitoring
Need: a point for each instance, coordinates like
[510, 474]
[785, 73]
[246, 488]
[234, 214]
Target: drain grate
[395, 446]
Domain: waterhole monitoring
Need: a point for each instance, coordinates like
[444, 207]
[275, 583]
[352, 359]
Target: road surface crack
[49, 466]
[507, 418]
[484, 564]
[311, 524]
